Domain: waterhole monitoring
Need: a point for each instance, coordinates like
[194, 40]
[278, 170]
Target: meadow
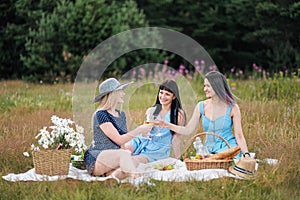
[270, 119]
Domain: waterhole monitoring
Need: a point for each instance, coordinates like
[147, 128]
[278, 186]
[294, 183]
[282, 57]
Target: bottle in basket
[201, 150]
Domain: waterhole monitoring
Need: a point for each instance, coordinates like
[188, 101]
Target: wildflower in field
[26, 154]
[181, 69]
[143, 72]
[133, 74]
[233, 85]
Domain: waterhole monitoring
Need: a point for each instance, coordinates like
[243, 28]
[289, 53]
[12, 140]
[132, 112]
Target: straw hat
[244, 168]
[109, 86]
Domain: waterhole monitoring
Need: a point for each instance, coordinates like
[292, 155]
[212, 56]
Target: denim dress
[156, 148]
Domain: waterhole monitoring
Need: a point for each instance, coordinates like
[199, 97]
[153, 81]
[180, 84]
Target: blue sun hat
[108, 86]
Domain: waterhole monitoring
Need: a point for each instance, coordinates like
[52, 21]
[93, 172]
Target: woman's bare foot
[118, 173]
[109, 172]
[135, 174]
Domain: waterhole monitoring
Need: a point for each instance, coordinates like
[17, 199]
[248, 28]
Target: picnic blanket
[148, 172]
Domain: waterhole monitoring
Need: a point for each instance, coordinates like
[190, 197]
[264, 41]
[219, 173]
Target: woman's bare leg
[129, 147]
[121, 174]
[101, 169]
[109, 160]
[139, 159]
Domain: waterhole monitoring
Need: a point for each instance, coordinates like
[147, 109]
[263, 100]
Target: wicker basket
[52, 162]
[206, 164]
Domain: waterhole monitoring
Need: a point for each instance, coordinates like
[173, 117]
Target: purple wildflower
[143, 71]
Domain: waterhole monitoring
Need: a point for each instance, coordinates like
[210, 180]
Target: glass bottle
[201, 150]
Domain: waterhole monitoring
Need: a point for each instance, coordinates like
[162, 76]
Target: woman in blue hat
[110, 132]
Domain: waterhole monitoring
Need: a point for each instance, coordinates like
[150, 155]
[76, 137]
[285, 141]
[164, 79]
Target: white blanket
[148, 171]
[74, 173]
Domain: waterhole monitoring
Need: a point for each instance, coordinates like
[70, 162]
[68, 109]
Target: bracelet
[246, 153]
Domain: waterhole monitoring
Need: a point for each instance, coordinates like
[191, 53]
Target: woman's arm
[111, 132]
[176, 141]
[237, 127]
[189, 128]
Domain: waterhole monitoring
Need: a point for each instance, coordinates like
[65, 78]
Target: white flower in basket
[64, 134]
[58, 140]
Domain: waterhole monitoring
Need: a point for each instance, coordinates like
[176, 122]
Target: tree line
[47, 40]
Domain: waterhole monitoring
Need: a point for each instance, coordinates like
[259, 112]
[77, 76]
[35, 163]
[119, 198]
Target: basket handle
[203, 133]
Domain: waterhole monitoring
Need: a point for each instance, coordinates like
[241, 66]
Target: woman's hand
[142, 129]
[145, 128]
[162, 124]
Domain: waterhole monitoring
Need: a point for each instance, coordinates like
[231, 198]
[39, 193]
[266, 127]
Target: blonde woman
[110, 133]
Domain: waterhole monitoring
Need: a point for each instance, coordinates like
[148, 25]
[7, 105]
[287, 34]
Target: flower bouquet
[58, 142]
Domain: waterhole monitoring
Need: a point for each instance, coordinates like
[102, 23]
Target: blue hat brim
[121, 87]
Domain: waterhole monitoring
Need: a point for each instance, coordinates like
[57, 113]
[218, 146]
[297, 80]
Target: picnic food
[227, 154]
[221, 160]
[164, 167]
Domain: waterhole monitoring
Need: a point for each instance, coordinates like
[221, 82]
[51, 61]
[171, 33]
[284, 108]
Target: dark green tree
[16, 17]
[234, 32]
[57, 46]
[278, 29]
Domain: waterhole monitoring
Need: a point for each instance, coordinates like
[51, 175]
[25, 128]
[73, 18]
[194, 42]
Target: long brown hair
[219, 84]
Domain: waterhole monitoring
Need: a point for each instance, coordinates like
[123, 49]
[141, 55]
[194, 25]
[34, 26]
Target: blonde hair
[109, 100]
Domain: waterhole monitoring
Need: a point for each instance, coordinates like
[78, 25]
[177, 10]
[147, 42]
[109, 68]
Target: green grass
[270, 119]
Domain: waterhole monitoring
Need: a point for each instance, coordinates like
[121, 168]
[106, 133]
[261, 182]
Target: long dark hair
[170, 86]
[219, 84]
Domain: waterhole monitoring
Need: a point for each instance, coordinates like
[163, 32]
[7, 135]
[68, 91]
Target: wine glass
[149, 119]
[156, 118]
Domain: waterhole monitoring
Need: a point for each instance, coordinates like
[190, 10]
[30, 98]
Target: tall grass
[270, 124]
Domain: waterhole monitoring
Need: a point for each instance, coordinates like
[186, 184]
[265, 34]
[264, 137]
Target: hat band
[242, 170]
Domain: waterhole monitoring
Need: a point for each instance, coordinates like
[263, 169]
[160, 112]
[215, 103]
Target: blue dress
[158, 147]
[101, 141]
[221, 126]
